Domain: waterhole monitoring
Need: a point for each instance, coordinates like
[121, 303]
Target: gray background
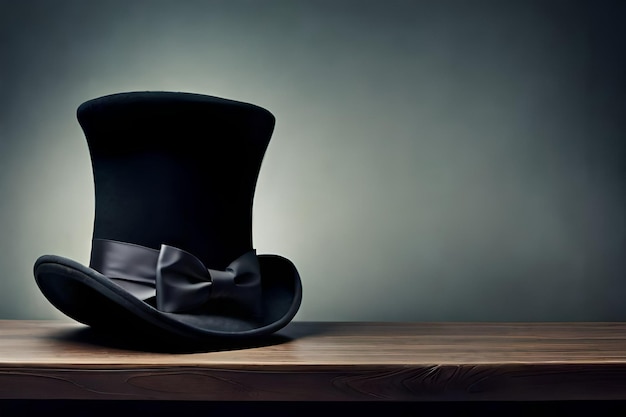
[432, 160]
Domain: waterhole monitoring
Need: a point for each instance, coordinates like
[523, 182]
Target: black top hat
[172, 253]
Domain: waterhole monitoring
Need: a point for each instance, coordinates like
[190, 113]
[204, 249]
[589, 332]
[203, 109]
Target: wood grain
[334, 361]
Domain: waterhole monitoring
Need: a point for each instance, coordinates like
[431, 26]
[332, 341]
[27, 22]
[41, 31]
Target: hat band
[175, 281]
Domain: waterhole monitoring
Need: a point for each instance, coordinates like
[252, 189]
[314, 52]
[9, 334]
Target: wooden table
[326, 362]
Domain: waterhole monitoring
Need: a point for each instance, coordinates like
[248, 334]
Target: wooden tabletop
[324, 361]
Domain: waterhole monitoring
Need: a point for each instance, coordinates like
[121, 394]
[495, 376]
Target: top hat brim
[91, 298]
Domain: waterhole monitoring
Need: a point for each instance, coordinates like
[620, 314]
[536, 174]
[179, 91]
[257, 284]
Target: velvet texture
[177, 169]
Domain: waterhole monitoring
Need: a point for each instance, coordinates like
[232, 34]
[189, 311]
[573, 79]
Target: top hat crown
[175, 168]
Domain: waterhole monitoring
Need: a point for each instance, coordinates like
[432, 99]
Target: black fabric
[175, 281]
[89, 297]
[177, 171]
[176, 168]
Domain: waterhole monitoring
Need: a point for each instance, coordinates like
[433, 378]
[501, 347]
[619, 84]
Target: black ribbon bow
[177, 280]
[183, 283]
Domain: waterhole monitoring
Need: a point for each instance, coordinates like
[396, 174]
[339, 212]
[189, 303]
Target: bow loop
[183, 283]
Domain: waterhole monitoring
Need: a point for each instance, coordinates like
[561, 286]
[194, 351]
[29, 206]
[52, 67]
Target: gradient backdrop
[432, 160]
